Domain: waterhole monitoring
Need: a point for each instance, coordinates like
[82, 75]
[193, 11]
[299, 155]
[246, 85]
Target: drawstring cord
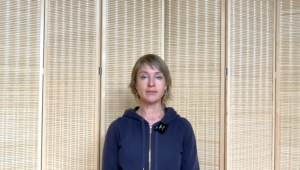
[143, 143]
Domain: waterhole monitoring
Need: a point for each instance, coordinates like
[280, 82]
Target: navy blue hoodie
[131, 144]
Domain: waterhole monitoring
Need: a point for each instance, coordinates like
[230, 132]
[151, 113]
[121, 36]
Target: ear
[166, 87]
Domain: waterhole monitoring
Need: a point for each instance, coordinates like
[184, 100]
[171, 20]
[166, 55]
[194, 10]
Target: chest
[150, 147]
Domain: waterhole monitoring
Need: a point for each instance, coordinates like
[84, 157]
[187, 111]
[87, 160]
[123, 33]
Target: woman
[151, 136]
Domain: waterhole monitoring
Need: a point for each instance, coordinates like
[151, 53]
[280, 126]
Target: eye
[159, 77]
[143, 77]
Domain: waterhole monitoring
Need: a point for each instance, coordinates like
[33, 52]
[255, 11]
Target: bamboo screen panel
[19, 83]
[70, 79]
[193, 54]
[250, 107]
[288, 70]
[133, 28]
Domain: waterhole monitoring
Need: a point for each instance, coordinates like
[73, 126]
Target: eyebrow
[147, 72]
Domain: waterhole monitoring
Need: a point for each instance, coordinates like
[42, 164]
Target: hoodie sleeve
[111, 148]
[189, 159]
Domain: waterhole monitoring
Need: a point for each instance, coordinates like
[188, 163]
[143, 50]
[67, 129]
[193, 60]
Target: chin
[151, 101]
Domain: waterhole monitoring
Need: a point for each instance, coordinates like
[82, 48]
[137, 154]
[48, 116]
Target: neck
[152, 113]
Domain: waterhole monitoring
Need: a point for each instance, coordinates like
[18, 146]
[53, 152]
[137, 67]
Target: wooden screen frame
[223, 112]
[41, 83]
[277, 122]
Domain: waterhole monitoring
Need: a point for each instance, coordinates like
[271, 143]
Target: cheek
[139, 85]
[162, 84]
[162, 87]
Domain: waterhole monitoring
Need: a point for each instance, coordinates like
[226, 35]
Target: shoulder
[184, 124]
[115, 125]
[117, 122]
[184, 121]
[177, 119]
[120, 122]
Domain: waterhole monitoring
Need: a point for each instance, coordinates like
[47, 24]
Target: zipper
[150, 147]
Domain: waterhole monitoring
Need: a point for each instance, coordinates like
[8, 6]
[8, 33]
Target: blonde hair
[152, 60]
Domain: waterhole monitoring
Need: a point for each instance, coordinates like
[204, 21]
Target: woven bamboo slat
[19, 84]
[193, 54]
[132, 30]
[70, 85]
[288, 82]
[250, 106]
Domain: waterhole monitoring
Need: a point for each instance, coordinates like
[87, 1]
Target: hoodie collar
[170, 115]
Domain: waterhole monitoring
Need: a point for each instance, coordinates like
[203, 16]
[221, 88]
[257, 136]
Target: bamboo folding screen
[288, 85]
[250, 85]
[63, 37]
[20, 23]
[193, 54]
[133, 28]
[70, 85]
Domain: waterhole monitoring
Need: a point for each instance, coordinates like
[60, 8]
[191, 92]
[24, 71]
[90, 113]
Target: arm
[189, 159]
[110, 159]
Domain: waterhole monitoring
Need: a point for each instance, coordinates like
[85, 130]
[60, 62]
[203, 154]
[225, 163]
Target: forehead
[148, 69]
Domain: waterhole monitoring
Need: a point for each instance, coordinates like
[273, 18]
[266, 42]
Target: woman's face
[150, 84]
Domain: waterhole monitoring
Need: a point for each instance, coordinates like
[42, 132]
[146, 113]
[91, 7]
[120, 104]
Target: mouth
[151, 92]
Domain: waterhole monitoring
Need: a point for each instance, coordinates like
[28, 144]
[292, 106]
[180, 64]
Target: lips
[151, 92]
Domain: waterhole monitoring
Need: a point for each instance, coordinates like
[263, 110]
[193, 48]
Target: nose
[151, 82]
